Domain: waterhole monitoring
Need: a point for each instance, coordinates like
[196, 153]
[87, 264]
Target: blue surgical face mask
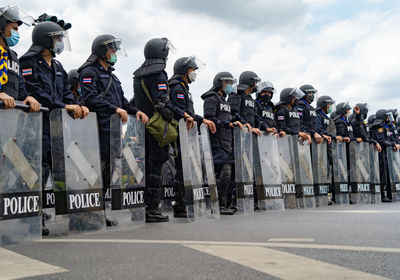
[228, 89]
[79, 91]
[13, 39]
[113, 59]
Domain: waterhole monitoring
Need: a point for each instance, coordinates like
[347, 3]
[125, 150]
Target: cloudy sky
[349, 50]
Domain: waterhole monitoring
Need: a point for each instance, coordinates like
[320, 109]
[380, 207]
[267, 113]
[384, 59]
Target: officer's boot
[153, 198]
[180, 205]
[223, 184]
[45, 230]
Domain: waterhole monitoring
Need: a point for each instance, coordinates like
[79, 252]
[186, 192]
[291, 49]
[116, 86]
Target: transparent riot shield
[360, 191]
[303, 174]
[20, 176]
[126, 207]
[77, 173]
[321, 172]
[267, 172]
[375, 181]
[210, 184]
[394, 174]
[243, 154]
[339, 162]
[168, 180]
[286, 156]
[192, 172]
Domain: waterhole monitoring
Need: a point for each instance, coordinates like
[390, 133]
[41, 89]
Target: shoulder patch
[87, 80]
[27, 72]
[180, 96]
[380, 130]
[162, 86]
[281, 118]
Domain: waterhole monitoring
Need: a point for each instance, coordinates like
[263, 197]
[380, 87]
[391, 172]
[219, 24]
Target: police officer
[324, 108]
[47, 80]
[13, 87]
[217, 109]
[287, 117]
[307, 113]
[343, 126]
[73, 79]
[265, 108]
[392, 126]
[103, 94]
[360, 126]
[381, 133]
[242, 103]
[185, 72]
[151, 77]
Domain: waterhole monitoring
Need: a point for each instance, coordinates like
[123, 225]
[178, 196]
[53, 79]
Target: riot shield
[192, 172]
[375, 181]
[339, 162]
[286, 156]
[77, 173]
[267, 172]
[20, 176]
[360, 191]
[303, 174]
[210, 184]
[243, 154]
[394, 174]
[126, 207]
[168, 180]
[321, 172]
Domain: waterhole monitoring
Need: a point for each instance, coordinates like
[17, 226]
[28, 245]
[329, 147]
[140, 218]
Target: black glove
[161, 108]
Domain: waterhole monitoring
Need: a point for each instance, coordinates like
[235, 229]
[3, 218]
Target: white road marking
[231, 243]
[281, 264]
[291, 240]
[354, 211]
[14, 266]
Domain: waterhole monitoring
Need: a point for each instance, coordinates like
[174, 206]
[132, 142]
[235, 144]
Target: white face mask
[192, 76]
[58, 47]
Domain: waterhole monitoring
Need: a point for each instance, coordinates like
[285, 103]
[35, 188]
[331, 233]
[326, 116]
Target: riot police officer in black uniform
[14, 88]
[307, 113]
[242, 103]
[73, 79]
[265, 108]
[47, 80]
[393, 125]
[218, 110]
[287, 117]
[151, 77]
[343, 126]
[324, 108]
[381, 133]
[185, 72]
[103, 94]
[360, 126]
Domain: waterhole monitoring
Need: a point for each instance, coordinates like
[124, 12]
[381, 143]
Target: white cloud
[354, 59]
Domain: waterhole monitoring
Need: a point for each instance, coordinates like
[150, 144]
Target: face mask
[329, 110]
[113, 59]
[58, 47]
[13, 39]
[310, 97]
[79, 91]
[254, 89]
[228, 89]
[265, 98]
[192, 76]
[347, 115]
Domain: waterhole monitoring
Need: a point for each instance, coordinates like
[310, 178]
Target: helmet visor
[13, 14]
[265, 86]
[297, 93]
[390, 116]
[195, 63]
[61, 36]
[171, 48]
[229, 81]
[116, 45]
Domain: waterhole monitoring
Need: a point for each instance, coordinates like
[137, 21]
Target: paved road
[335, 242]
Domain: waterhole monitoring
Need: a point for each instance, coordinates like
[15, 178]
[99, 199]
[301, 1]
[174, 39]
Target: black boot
[45, 230]
[180, 205]
[153, 198]
[155, 216]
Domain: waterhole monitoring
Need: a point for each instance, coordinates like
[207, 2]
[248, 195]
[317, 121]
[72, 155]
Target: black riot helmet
[73, 78]
[395, 114]
[341, 108]
[12, 13]
[380, 116]
[323, 101]
[371, 120]
[363, 110]
[248, 79]
[157, 48]
[183, 64]
[309, 92]
[221, 78]
[287, 95]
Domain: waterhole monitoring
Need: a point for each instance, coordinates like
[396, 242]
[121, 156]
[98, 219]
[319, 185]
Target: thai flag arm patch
[86, 80]
[281, 118]
[27, 72]
[162, 86]
[180, 96]
[300, 114]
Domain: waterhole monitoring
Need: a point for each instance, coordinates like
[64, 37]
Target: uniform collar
[325, 115]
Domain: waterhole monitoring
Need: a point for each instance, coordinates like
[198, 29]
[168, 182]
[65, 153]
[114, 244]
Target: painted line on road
[231, 243]
[354, 211]
[281, 264]
[14, 266]
[291, 240]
